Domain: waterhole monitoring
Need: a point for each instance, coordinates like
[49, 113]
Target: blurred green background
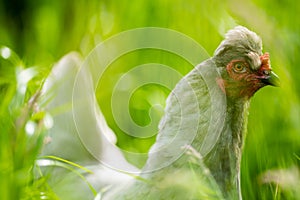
[41, 32]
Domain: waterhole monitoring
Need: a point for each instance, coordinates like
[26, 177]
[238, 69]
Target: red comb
[265, 61]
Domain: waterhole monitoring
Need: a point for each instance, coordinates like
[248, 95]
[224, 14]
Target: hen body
[198, 148]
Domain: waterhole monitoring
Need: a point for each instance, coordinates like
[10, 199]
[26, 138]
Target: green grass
[50, 29]
[22, 129]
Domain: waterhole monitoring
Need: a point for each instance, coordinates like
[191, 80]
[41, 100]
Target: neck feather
[224, 160]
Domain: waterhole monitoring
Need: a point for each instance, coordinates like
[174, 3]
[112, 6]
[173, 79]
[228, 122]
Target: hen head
[243, 66]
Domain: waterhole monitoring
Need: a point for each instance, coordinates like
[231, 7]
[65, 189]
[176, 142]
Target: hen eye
[239, 67]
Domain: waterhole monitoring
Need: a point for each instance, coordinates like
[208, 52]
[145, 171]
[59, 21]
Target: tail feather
[98, 151]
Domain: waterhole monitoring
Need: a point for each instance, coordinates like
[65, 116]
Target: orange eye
[239, 67]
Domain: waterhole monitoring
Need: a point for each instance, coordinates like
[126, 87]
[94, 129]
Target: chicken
[198, 148]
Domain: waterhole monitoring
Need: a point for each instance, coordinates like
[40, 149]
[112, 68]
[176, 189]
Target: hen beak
[271, 79]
